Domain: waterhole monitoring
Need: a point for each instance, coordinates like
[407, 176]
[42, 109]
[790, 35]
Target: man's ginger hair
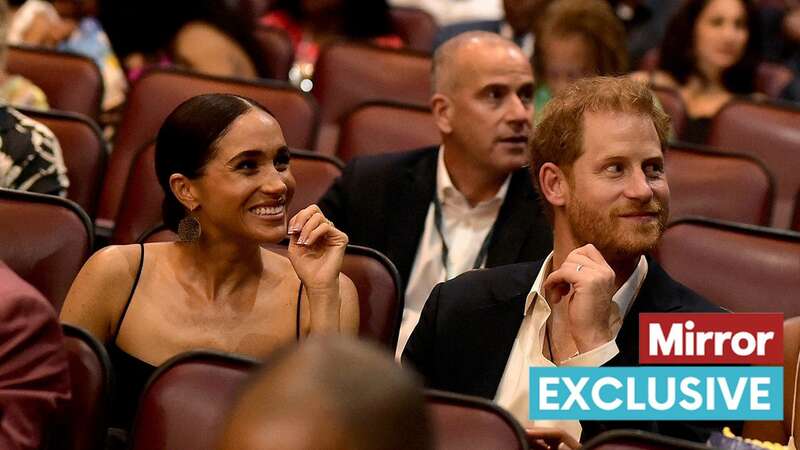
[558, 137]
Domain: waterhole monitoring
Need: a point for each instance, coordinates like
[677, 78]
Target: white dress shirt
[464, 227]
[447, 12]
[528, 350]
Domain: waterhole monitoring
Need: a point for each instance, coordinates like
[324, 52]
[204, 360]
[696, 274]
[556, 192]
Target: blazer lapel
[409, 198]
[514, 221]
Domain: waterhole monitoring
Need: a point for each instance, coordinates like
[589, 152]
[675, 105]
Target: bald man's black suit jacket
[468, 326]
[381, 202]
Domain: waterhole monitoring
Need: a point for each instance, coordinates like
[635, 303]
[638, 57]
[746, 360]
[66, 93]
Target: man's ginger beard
[615, 239]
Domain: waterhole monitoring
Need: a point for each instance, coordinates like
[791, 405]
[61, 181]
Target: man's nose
[520, 110]
[638, 187]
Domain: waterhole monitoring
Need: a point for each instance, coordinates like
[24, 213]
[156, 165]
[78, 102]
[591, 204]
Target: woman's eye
[614, 169]
[247, 165]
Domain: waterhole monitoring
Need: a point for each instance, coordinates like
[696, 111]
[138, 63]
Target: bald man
[466, 204]
[330, 394]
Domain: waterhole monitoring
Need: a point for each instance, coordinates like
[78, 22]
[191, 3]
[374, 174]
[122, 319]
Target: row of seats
[359, 114]
[184, 405]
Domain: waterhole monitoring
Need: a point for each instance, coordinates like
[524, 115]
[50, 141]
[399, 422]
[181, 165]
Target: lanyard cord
[437, 221]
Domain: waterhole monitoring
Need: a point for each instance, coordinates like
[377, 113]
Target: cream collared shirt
[528, 350]
[464, 227]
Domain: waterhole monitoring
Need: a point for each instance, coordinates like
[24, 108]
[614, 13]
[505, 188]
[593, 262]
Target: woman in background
[709, 54]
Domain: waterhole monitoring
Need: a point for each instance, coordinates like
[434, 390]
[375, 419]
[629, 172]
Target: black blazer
[381, 202]
[468, 326]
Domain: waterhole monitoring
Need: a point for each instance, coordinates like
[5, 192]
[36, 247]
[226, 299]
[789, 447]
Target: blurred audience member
[709, 54]
[30, 156]
[577, 39]
[225, 170]
[311, 24]
[330, 394]
[15, 89]
[440, 211]
[448, 12]
[518, 24]
[34, 374]
[38, 23]
[207, 36]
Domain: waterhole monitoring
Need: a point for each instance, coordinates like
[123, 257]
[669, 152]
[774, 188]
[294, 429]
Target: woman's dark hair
[360, 19]
[677, 50]
[187, 139]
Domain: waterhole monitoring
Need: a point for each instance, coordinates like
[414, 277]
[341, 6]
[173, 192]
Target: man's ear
[442, 113]
[554, 184]
[184, 191]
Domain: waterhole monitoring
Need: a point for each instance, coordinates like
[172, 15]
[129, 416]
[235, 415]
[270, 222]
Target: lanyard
[437, 221]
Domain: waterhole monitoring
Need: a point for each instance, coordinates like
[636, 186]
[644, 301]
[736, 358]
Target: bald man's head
[329, 394]
[451, 57]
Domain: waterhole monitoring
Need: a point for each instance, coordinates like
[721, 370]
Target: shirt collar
[623, 297]
[445, 189]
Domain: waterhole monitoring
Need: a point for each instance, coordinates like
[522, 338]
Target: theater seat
[673, 105]
[277, 49]
[796, 221]
[49, 69]
[770, 133]
[639, 440]
[743, 268]
[183, 405]
[416, 27]
[45, 240]
[313, 173]
[158, 92]
[463, 423]
[348, 74]
[84, 150]
[779, 431]
[87, 412]
[385, 127]
[380, 299]
[707, 182]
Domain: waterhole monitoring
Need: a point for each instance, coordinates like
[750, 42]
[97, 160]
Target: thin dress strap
[297, 320]
[130, 296]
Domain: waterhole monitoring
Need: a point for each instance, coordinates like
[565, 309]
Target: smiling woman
[225, 169]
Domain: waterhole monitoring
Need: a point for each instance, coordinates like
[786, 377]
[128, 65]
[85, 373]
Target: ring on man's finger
[578, 269]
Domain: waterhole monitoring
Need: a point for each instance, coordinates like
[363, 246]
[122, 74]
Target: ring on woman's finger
[578, 269]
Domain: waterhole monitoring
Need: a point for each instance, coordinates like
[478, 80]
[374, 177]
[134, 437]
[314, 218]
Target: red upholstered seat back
[277, 49]
[87, 412]
[71, 82]
[313, 173]
[779, 431]
[770, 133]
[725, 186]
[740, 267]
[159, 92]
[416, 27]
[349, 74]
[639, 440]
[673, 105]
[463, 423]
[384, 127]
[45, 240]
[84, 150]
[183, 406]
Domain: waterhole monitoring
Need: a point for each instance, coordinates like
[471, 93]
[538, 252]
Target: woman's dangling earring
[189, 229]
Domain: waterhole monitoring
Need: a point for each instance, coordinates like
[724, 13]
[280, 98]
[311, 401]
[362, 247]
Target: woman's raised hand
[316, 249]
